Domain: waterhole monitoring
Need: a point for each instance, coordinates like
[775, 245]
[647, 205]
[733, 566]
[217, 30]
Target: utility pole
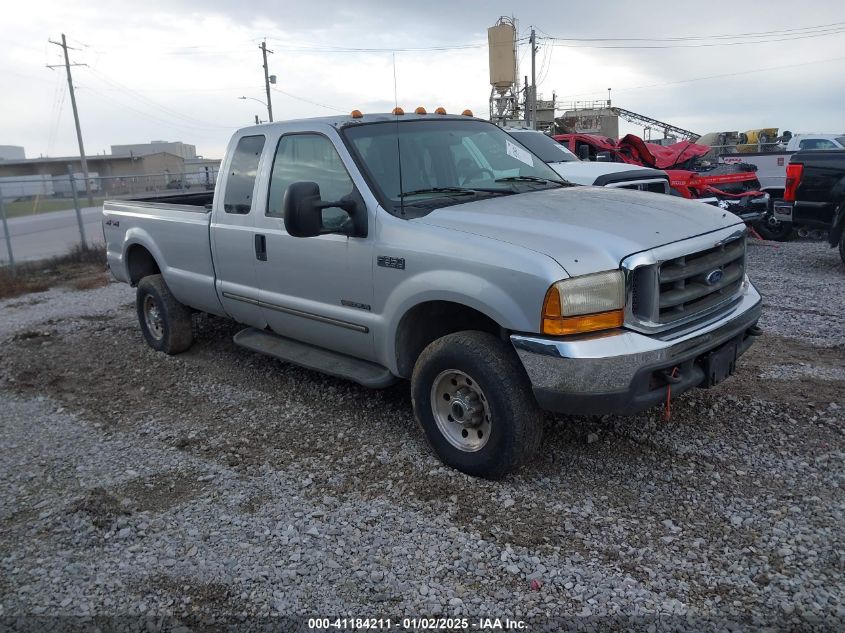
[6, 233]
[67, 65]
[264, 52]
[533, 80]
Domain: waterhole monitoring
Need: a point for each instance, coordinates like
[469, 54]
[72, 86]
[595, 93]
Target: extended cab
[438, 249]
[815, 194]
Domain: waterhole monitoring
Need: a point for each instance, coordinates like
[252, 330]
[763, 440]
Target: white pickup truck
[584, 172]
[440, 250]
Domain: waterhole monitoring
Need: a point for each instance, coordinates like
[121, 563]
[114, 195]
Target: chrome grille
[691, 285]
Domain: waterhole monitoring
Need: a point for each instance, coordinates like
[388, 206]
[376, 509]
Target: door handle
[261, 248]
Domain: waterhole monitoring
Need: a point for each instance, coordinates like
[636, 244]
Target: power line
[191, 121]
[698, 37]
[408, 49]
[161, 121]
[719, 76]
[316, 103]
[559, 42]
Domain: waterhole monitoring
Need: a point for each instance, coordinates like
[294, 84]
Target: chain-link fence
[29, 206]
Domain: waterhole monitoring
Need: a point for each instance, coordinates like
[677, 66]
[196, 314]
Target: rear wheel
[842, 245]
[770, 228]
[165, 323]
[474, 403]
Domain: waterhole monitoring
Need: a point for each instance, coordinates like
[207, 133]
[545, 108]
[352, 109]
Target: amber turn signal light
[556, 324]
[585, 323]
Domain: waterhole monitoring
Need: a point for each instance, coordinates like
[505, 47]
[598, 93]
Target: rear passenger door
[233, 231]
[316, 289]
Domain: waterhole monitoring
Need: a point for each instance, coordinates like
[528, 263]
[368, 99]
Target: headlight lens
[585, 304]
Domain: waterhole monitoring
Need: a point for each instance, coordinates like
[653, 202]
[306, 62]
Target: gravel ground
[221, 487]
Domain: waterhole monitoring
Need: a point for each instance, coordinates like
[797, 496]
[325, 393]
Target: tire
[485, 381]
[842, 246]
[165, 323]
[772, 229]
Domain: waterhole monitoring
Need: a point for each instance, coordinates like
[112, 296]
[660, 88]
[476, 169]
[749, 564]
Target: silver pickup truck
[438, 249]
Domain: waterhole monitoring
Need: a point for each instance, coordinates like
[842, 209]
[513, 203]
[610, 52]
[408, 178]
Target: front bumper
[621, 371]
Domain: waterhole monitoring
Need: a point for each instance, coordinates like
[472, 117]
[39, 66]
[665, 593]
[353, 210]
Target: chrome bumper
[620, 371]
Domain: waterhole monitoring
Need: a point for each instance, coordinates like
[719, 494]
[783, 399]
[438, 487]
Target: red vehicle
[733, 187]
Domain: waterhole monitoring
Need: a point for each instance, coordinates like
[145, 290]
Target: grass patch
[35, 206]
[80, 269]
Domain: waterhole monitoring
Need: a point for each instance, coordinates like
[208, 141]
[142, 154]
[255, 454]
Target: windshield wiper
[530, 179]
[457, 191]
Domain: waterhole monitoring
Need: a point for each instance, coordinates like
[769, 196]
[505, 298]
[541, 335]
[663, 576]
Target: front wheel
[165, 323]
[474, 403]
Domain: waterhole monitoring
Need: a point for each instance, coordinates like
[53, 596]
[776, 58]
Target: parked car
[728, 187]
[770, 160]
[815, 194]
[440, 250]
[600, 174]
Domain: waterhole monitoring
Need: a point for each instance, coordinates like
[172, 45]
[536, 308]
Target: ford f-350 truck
[436, 248]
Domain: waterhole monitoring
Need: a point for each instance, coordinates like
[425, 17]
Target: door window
[240, 183]
[310, 157]
[817, 143]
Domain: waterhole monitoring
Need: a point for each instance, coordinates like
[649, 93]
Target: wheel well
[140, 263]
[427, 322]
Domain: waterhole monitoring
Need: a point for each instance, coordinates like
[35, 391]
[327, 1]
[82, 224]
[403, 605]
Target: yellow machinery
[759, 140]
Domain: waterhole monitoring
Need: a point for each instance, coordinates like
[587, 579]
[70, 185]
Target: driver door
[315, 289]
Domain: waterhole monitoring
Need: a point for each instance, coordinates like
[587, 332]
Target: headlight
[585, 304]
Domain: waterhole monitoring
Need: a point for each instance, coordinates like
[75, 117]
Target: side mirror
[303, 209]
[584, 152]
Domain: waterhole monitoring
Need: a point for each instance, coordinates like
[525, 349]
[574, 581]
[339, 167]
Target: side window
[310, 157]
[817, 143]
[240, 181]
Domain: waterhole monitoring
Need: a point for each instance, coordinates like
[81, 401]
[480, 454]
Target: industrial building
[186, 151]
[132, 169]
[12, 152]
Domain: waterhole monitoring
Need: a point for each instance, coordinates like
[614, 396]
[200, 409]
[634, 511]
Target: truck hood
[586, 172]
[584, 229]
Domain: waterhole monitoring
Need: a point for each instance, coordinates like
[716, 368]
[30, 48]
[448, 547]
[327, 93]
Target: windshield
[545, 147]
[841, 140]
[446, 158]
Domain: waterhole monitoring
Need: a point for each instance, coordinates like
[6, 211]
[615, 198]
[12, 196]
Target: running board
[316, 358]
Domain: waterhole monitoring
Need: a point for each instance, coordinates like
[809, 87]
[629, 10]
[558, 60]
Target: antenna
[398, 144]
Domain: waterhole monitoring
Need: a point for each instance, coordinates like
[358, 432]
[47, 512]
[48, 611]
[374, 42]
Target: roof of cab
[341, 121]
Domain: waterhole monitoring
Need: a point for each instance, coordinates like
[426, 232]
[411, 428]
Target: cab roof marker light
[356, 114]
[420, 110]
[398, 111]
[467, 112]
[440, 110]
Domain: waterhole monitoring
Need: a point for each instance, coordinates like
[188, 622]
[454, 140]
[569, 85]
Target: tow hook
[754, 330]
[671, 376]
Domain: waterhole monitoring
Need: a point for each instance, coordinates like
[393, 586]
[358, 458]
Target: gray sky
[174, 69]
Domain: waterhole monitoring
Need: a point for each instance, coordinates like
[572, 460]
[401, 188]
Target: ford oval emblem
[713, 277]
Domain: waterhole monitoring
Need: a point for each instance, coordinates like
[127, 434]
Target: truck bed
[174, 230]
